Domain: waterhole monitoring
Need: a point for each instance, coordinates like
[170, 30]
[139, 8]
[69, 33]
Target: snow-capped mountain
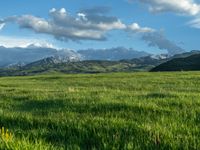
[31, 53]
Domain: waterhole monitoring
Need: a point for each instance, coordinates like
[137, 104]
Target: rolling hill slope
[191, 63]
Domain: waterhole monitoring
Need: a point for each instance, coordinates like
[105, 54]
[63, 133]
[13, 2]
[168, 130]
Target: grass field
[103, 111]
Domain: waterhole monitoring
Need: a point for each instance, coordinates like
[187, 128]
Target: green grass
[102, 111]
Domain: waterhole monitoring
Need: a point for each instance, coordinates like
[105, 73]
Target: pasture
[101, 111]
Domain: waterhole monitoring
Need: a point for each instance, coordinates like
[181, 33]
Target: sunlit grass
[103, 111]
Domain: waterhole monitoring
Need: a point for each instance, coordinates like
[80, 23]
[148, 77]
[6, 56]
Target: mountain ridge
[22, 56]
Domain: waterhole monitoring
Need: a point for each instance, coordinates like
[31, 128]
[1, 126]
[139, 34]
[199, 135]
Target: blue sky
[178, 25]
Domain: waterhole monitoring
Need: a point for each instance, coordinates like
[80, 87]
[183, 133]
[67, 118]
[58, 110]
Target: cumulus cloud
[88, 24]
[157, 39]
[86, 20]
[63, 26]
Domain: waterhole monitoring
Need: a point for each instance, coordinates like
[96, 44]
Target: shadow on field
[47, 78]
[35, 105]
[158, 95]
[197, 120]
[21, 98]
[118, 109]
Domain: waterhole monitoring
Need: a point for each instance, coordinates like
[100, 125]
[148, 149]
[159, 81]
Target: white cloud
[180, 7]
[82, 16]
[135, 27]
[9, 42]
[183, 7]
[2, 25]
[52, 10]
[66, 27]
[62, 11]
[195, 23]
[88, 24]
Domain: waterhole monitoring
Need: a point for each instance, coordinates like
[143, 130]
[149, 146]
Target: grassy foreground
[103, 111]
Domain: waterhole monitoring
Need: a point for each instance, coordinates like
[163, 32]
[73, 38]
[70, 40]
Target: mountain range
[22, 56]
[40, 60]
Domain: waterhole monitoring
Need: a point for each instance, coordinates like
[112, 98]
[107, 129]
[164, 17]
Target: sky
[154, 26]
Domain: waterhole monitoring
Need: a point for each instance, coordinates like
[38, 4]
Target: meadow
[101, 111]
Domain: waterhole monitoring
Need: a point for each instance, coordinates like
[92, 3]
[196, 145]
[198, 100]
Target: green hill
[191, 63]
